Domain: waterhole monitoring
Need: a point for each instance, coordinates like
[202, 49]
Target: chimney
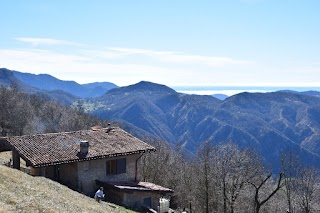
[109, 128]
[84, 147]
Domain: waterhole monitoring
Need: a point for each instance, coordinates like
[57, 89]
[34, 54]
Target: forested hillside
[270, 123]
[22, 113]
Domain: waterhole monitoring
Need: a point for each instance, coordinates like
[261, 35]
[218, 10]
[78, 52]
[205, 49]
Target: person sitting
[99, 194]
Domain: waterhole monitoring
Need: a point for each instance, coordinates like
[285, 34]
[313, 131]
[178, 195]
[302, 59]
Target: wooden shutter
[121, 166]
[111, 167]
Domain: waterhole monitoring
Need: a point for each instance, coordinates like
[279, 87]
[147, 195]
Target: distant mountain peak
[148, 86]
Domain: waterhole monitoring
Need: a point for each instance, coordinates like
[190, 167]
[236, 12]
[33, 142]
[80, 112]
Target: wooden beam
[16, 159]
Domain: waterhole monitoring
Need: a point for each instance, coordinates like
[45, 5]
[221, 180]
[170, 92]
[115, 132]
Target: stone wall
[89, 171]
[81, 176]
[135, 199]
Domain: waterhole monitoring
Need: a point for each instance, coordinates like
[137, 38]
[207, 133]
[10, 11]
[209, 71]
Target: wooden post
[16, 159]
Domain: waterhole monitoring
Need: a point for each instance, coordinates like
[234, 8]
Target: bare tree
[290, 166]
[154, 166]
[185, 189]
[305, 188]
[258, 202]
[15, 111]
[168, 167]
[300, 183]
[204, 171]
[230, 170]
[238, 167]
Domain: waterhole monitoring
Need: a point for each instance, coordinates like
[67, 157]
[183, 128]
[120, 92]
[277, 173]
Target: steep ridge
[293, 116]
[157, 109]
[279, 121]
[270, 123]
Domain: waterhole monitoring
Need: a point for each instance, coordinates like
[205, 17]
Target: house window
[115, 167]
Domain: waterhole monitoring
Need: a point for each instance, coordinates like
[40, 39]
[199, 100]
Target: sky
[171, 42]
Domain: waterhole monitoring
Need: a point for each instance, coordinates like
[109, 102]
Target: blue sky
[172, 42]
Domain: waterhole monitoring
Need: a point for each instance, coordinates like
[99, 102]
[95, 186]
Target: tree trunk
[224, 196]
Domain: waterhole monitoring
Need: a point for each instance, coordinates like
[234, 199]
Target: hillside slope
[20, 192]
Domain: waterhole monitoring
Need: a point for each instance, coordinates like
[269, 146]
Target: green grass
[20, 192]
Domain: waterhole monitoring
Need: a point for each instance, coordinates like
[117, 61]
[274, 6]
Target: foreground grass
[5, 157]
[20, 192]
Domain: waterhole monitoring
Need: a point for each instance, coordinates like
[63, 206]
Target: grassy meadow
[20, 192]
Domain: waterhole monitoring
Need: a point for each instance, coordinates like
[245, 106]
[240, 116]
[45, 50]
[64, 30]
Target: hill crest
[145, 86]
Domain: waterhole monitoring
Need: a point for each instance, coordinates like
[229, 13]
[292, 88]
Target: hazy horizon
[228, 90]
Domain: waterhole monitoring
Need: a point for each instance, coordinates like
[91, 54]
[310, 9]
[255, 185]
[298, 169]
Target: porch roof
[134, 186]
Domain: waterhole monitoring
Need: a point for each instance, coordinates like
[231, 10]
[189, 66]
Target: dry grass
[4, 157]
[20, 192]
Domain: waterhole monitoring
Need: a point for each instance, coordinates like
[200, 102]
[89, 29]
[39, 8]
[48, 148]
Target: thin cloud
[90, 64]
[84, 68]
[40, 56]
[46, 41]
[81, 68]
[178, 57]
[125, 53]
[133, 51]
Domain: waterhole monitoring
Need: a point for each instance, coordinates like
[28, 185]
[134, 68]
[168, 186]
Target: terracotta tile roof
[134, 186]
[58, 148]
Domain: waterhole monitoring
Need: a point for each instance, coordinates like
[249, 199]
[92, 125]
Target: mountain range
[270, 123]
[49, 83]
[33, 82]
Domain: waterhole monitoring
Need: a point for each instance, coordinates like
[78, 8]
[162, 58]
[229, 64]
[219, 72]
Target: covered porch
[136, 195]
[11, 158]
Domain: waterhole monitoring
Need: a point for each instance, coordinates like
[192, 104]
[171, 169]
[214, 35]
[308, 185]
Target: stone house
[84, 160]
